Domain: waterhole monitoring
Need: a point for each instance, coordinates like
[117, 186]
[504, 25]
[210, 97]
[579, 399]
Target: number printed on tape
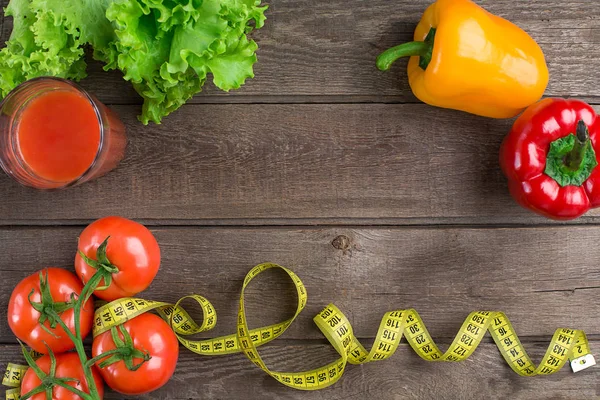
[566, 345]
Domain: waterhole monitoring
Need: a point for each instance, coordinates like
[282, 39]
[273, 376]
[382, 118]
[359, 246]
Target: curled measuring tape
[566, 344]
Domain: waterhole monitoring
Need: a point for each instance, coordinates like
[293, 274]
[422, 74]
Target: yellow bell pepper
[467, 59]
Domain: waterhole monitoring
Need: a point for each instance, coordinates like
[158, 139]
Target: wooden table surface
[334, 169]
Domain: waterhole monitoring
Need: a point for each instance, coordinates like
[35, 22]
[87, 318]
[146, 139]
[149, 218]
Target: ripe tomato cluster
[117, 258]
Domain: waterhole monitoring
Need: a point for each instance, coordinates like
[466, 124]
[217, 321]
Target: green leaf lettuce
[166, 48]
[38, 47]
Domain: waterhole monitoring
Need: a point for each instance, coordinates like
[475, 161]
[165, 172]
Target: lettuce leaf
[166, 48]
[87, 18]
[38, 47]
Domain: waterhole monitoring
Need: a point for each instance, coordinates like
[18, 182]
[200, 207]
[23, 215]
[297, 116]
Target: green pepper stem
[424, 50]
[387, 58]
[575, 157]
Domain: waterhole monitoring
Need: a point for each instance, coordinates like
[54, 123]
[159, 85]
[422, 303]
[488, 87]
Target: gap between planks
[310, 99]
[317, 223]
[368, 341]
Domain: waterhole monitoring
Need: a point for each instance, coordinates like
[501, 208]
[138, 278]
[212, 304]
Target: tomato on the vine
[35, 306]
[68, 365]
[151, 336]
[129, 260]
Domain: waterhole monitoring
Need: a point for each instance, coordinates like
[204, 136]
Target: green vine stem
[125, 351]
[48, 381]
[104, 273]
[77, 339]
[99, 357]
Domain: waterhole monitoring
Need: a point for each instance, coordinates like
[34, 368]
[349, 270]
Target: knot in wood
[342, 242]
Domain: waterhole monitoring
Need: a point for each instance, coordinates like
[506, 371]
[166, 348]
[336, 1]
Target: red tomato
[131, 248]
[23, 318]
[149, 334]
[68, 365]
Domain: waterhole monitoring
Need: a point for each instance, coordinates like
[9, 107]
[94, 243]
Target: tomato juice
[55, 135]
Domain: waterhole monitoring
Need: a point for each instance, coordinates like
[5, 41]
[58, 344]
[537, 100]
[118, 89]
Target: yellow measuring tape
[12, 378]
[566, 344]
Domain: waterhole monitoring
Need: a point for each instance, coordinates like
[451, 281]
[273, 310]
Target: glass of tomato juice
[54, 135]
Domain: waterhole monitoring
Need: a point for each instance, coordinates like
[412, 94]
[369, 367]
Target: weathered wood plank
[543, 279]
[387, 164]
[318, 48]
[405, 375]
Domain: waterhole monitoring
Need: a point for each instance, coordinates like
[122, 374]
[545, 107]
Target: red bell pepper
[550, 159]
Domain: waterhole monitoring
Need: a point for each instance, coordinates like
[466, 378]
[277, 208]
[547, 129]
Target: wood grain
[328, 166]
[315, 49]
[404, 376]
[300, 164]
[543, 279]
